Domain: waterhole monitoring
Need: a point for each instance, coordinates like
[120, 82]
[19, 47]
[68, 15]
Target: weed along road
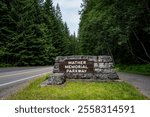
[13, 78]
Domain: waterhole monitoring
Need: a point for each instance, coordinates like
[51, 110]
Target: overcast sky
[69, 10]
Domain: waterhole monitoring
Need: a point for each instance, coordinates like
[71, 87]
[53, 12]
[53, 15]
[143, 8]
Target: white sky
[69, 10]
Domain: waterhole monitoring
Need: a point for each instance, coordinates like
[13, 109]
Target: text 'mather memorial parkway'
[92, 68]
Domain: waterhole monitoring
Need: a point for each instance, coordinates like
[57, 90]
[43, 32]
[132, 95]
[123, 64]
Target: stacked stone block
[103, 68]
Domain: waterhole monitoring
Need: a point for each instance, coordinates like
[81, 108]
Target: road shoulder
[141, 82]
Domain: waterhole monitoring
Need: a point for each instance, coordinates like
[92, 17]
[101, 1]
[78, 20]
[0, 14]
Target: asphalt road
[141, 82]
[13, 78]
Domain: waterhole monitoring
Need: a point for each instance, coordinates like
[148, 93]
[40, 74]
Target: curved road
[13, 78]
[139, 81]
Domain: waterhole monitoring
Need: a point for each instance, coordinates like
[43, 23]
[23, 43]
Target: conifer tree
[32, 33]
[119, 28]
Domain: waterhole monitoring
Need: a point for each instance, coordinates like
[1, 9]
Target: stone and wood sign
[94, 68]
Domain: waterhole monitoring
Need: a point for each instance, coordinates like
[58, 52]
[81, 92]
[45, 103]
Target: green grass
[138, 69]
[77, 90]
[5, 65]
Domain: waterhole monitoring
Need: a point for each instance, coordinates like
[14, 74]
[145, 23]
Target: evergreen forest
[32, 32]
[120, 28]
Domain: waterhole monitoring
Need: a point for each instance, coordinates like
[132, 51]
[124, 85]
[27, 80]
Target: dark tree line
[120, 28]
[32, 33]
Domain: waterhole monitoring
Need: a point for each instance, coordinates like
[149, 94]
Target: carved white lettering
[76, 67]
[76, 62]
[76, 71]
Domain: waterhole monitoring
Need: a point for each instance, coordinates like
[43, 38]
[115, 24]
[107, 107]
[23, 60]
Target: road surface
[13, 78]
[139, 81]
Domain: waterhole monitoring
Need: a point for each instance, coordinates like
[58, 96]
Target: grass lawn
[77, 90]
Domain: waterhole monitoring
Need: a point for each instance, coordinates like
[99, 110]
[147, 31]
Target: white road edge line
[22, 79]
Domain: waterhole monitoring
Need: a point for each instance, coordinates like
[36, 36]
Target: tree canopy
[32, 33]
[120, 28]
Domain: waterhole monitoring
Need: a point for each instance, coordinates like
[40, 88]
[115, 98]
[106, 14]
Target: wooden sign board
[81, 66]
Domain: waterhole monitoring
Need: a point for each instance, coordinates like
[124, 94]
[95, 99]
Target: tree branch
[141, 44]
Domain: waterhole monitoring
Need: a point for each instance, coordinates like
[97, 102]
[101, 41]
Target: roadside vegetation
[32, 33]
[138, 69]
[77, 90]
[36, 32]
[5, 65]
[120, 28]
